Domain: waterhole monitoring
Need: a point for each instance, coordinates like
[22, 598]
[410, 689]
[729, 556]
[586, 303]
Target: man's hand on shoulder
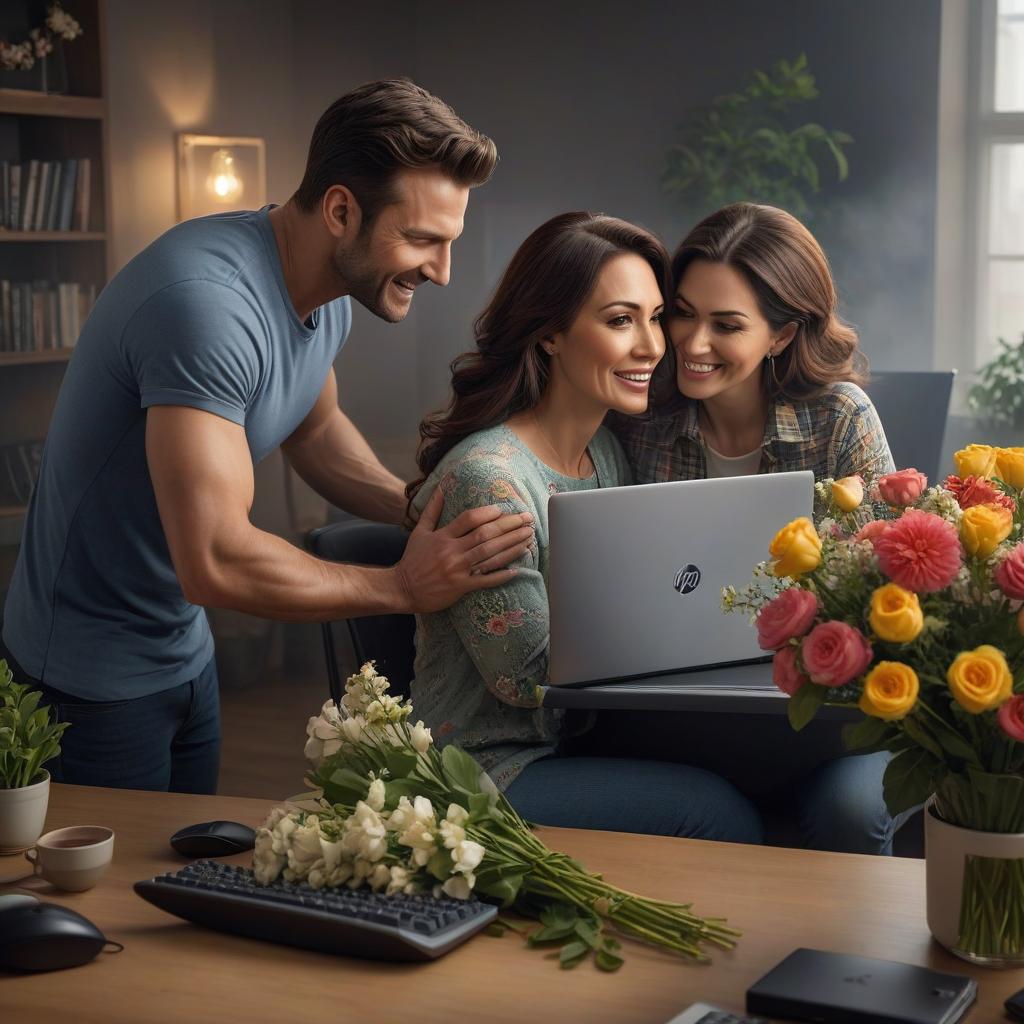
[473, 551]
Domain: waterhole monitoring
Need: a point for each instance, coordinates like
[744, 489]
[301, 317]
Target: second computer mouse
[47, 937]
[213, 839]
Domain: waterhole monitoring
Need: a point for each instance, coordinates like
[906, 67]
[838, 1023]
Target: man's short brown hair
[365, 138]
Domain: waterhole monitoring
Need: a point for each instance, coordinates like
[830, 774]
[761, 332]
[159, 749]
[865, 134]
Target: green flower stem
[992, 907]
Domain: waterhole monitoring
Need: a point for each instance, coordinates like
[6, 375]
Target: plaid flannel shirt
[835, 434]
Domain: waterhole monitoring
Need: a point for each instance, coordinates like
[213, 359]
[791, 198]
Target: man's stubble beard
[363, 282]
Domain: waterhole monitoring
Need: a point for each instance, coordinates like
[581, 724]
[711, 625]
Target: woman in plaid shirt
[762, 376]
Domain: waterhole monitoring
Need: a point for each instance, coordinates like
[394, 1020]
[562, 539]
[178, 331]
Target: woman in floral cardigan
[573, 331]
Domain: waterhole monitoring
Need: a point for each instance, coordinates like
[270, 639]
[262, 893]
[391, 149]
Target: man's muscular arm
[202, 476]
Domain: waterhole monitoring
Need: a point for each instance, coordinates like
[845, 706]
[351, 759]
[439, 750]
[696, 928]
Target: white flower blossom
[375, 796]
[466, 856]
[365, 835]
[421, 738]
[458, 887]
[380, 877]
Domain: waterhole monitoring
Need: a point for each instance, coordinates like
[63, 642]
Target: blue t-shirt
[200, 318]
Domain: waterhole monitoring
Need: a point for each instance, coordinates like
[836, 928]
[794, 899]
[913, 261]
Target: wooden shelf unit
[46, 126]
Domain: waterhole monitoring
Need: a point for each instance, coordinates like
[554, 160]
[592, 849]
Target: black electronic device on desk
[213, 839]
[836, 988]
[349, 922]
[37, 936]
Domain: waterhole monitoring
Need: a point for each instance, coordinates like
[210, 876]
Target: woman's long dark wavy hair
[541, 292]
[788, 271]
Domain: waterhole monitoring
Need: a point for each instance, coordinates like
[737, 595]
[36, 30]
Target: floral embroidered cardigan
[479, 663]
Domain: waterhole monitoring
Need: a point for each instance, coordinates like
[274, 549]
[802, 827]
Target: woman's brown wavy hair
[541, 292]
[789, 273]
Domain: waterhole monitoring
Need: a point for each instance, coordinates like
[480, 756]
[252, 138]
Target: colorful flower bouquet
[391, 812]
[907, 602]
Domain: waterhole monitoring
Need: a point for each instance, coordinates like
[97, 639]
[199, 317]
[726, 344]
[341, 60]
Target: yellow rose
[896, 614]
[848, 493]
[890, 691]
[1010, 466]
[980, 679]
[975, 460]
[796, 549]
[984, 527]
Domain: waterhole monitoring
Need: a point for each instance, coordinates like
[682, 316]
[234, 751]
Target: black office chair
[913, 407]
[386, 639]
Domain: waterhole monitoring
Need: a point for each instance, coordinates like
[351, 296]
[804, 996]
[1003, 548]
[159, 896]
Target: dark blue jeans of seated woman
[626, 795]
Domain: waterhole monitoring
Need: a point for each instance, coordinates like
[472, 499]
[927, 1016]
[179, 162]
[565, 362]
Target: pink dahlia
[1009, 574]
[977, 490]
[920, 551]
[871, 531]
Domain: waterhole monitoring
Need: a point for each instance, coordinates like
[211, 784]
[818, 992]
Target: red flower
[834, 653]
[497, 625]
[920, 552]
[1009, 574]
[977, 490]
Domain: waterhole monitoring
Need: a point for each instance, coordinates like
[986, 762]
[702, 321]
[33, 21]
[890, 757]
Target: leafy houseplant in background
[395, 814]
[917, 619]
[28, 739]
[997, 399]
[754, 146]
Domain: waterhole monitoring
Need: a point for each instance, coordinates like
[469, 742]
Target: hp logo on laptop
[687, 579]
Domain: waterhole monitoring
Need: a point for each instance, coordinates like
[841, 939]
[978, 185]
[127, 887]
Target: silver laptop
[635, 574]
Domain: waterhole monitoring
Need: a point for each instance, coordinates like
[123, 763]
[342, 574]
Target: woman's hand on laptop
[473, 551]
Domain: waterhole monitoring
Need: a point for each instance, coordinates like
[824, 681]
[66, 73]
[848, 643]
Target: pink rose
[835, 653]
[902, 488]
[1010, 717]
[1009, 574]
[871, 531]
[785, 673]
[789, 615]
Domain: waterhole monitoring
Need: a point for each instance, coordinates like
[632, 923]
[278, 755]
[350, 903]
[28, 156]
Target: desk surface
[174, 971]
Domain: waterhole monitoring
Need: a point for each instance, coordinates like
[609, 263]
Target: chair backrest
[913, 407]
[386, 639]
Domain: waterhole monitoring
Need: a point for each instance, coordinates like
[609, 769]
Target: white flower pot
[965, 914]
[23, 815]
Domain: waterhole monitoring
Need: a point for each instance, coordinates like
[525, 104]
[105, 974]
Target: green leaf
[607, 961]
[804, 704]
[572, 953]
[461, 769]
[555, 914]
[910, 778]
[868, 733]
[496, 929]
[505, 888]
[550, 933]
[400, 763]
[441, 865]
[917, 732]
[588, 933]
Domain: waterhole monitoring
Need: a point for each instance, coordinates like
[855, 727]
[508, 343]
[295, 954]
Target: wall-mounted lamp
[217, 173]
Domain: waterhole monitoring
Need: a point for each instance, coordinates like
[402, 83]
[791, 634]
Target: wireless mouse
[47, 937]
[16, 899]
[213, 839]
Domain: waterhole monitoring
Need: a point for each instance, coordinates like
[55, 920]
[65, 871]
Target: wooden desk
[174, 971]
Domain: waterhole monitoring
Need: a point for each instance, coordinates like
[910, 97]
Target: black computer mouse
[213, 839]
[46, 937]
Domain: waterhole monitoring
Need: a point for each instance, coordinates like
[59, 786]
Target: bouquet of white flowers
[392, 812]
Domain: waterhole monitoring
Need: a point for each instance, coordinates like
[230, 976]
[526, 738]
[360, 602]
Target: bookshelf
[59, 130]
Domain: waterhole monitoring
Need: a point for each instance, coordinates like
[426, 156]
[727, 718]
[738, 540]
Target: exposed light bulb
[223, 183]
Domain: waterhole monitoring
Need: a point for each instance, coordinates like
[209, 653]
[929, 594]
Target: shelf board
[42, 104]
[52, 236]
[53, 355]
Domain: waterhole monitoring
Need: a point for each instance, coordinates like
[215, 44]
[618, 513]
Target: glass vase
[975, 883]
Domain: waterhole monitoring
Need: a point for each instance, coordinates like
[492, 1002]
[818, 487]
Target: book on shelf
[39, 316]
[45, 195]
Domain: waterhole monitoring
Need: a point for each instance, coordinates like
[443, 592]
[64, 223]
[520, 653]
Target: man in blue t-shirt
[212, 347]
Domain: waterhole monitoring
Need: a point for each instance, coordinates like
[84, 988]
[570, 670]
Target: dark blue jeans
[630, 795]
[166, 741]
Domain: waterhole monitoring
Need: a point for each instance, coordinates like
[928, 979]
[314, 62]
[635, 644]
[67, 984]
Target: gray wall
[582, 100]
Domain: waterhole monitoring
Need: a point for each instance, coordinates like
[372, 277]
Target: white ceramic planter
[23, 815]
[946, 849]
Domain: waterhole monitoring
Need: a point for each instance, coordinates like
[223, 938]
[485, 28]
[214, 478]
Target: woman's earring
[771, 371]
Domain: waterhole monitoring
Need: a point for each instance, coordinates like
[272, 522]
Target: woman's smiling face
[718, 331]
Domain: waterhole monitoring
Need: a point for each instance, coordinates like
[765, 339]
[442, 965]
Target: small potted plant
[28, 739]
[997, 399]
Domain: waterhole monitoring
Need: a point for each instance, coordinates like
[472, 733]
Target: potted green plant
[755, 146]
[28, 739]
[997, 399]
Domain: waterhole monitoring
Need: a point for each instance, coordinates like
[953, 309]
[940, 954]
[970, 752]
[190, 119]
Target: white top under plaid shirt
[835, 434]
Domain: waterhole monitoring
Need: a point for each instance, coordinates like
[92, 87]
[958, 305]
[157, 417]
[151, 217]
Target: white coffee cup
[73, 859]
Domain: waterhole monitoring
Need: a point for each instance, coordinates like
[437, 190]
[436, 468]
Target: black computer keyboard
[345, 921]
